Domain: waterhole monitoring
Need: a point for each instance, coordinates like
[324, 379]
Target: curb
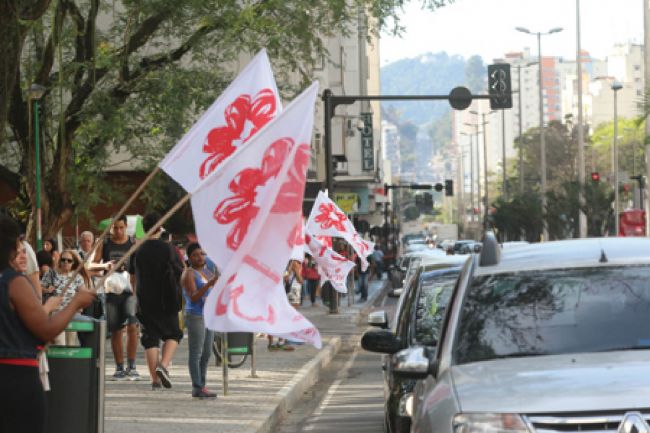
[304, 379]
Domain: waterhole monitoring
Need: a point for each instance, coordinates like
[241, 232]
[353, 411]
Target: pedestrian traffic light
[428, 201]
[449, 187]
[499, 86]
[595, 176]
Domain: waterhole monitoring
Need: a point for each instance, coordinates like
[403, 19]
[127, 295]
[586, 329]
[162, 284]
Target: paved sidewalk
[253, 405]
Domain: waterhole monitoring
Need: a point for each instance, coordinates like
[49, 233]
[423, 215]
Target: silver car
[544, 338]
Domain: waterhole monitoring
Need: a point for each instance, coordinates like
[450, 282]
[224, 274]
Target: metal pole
[479, 203]
[485, 172]
[616, 222]
[329, 172]
[542, 141]
[646, 38]
[521, 142]
[471, 175]
[39, 220]
[581, 134]
[504, 190]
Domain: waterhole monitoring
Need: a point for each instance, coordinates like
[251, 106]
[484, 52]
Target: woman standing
[197, 281]
[55, 283]
[24, 326]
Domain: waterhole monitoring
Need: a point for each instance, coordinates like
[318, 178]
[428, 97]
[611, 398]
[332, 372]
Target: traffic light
[595, 176]
[499, 86]
[428, 200]
[449, 187]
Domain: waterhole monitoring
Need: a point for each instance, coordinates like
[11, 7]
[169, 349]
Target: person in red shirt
[311, 276]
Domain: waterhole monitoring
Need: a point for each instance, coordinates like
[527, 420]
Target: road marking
[318, 413]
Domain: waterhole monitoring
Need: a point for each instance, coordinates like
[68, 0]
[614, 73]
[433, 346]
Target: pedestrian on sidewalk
[120, 302]
[312, 277]
[362, 280]
[198, 280]
[24, 327]
[156, 272]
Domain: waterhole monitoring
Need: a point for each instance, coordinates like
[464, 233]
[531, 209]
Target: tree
[131, 76]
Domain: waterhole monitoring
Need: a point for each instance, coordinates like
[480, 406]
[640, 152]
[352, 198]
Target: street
[349, 398]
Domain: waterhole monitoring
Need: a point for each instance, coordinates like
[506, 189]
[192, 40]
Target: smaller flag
[331, 265]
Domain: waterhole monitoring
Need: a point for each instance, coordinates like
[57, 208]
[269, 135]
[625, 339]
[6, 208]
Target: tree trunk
[12, 38]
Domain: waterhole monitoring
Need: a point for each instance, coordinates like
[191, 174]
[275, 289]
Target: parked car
[544, 338]
[465, 246]
[418, 316]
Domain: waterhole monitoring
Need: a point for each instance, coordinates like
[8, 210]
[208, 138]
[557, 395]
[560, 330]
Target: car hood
[557, 383]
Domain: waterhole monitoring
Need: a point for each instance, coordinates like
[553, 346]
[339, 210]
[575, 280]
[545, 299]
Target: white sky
[486, 28]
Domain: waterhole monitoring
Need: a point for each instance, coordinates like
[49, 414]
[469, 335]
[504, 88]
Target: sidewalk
[253, 405]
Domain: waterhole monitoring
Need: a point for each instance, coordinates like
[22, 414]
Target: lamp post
[486, 205]
[542, 142]
[471, 174]
[36, 92]
[616, 86]
[582, 218]
[521, 132]
[478, 168]
[504, 188]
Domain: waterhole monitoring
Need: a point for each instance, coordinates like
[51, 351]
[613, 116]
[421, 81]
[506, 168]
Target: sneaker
[132, 374]
[203, 393]
[156, 386]
[163, 375]
[119, 375]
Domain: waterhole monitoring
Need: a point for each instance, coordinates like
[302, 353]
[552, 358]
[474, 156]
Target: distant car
[464, 246]
[418, 318]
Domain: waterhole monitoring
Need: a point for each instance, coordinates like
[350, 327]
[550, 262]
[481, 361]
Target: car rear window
[555, 312]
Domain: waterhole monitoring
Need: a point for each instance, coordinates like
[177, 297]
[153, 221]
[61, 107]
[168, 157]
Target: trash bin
[75, 403]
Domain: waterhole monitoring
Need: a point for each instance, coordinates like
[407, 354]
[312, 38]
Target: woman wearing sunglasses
[56, 282]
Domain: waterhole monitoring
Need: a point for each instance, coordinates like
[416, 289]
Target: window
[555, 312]
[434, 295]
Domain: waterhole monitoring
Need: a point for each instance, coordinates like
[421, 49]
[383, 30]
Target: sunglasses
[65, 260]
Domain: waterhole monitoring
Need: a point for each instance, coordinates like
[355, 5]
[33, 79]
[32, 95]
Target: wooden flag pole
[147, 236]
[100, 238]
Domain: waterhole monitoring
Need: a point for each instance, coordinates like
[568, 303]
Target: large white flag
[246, 216]
[248, 104]
[327, 219]
[332, 266]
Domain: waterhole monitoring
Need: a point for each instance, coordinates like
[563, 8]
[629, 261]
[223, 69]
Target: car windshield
[555, 312]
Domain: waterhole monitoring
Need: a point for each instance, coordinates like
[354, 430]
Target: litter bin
[75, 403]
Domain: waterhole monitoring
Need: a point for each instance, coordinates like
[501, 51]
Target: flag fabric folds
[331, 265]
[247, 219]
[249, 103]
[327, 219]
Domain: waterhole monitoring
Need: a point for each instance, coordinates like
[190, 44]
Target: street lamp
[616, 86]
[485, 164]
[471, 173]
[36, 92]
[521, 132]
[478, 168]
[542, 142]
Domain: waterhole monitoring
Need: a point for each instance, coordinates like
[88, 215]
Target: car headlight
[489, 423]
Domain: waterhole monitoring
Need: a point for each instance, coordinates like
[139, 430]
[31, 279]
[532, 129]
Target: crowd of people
[40, 293]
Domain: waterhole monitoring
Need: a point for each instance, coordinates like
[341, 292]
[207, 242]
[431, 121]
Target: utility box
[75, 403]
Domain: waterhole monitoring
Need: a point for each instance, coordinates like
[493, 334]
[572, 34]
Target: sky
[487, 28]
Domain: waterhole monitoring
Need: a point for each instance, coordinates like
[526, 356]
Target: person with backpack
[156, 273]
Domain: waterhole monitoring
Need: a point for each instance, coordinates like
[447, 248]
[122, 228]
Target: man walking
[120, 302]
[156, 274]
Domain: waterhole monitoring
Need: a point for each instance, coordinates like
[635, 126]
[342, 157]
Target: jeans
[200, 347]
[363, 285]
[312, 285]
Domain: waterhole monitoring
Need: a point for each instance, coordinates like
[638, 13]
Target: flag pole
[114, 218]
[147, 236]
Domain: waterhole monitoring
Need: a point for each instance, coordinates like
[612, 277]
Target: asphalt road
[349, 398]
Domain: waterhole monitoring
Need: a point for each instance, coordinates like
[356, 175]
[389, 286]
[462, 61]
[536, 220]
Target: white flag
[248, 104]
[331, 265]
[327, 219]
[299, 249]
[246, 216]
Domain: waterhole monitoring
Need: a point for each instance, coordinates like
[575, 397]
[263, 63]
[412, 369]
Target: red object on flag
[249, 103]
[331, 265]
[246, 215]
[327, 219]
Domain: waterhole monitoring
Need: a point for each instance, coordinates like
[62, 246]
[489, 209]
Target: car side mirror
[380, 340]
[414, 363]
[379, 319]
